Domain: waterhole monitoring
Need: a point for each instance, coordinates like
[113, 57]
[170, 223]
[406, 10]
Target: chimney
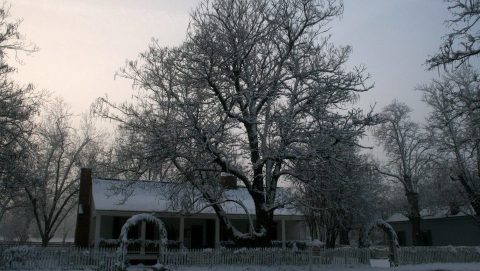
[454, 208]
[82, 230]
[228, 181]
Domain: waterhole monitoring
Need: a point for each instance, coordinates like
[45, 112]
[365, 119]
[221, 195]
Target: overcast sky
[83, 43]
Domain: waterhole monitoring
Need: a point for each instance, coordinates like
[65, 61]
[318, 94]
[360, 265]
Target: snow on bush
[17, 254]
[316, 243]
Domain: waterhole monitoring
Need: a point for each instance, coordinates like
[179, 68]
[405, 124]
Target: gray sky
[83, 43]
[393, 38]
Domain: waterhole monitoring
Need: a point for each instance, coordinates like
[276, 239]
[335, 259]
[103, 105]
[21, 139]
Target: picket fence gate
[26, 257]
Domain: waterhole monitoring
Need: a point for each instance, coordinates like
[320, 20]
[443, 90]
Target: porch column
[143, 230]
[284, 245]
[217, 233]
[181, 232]
[98, 223]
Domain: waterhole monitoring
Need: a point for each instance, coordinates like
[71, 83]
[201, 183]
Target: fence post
[212, 258]
[310, 256]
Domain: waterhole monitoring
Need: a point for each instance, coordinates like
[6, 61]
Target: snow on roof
[146, 196]
[432, 213]
[397, 217]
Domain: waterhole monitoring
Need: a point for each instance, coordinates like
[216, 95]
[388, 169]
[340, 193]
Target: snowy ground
[421, 267]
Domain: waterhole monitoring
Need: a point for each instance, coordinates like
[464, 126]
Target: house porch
[188, 232]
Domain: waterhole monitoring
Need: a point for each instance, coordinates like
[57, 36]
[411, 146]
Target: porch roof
[158, 197]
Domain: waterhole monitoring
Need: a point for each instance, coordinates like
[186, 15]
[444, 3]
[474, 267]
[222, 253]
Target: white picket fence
[26, 257]
[447, 254]
[265, 256]
[105, 258]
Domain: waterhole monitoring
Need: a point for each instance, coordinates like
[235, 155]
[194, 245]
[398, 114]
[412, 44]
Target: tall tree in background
[407, 157]
[441, 190]
[245, 94]
[56, 161]
[18, 105]
[128, 159]
[338, 194]
[454, 126]
[464, 40]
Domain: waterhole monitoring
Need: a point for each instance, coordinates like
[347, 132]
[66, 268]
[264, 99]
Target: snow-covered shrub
[316, 243]
[17, 255]
[292, 244]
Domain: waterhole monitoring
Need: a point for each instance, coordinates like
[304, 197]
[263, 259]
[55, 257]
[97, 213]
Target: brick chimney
[82, 230]
[228, 181]
[454, 208]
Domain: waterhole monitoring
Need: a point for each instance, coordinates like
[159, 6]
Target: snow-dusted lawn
[421, 267]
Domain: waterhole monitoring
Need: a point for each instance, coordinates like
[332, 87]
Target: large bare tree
[246, 94]
[454, 126]
[408, 157]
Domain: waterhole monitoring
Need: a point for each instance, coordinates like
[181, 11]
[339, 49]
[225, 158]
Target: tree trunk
[45, 240]
[362, 242]
[473, 196]
[331, 239]
[344, 240]
[310, 219]
[475, 202]
[264, 220]
[415, 219]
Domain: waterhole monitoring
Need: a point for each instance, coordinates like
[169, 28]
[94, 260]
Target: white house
[102, 211]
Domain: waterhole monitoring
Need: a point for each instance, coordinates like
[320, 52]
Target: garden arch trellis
[132, 221]
[392, 238]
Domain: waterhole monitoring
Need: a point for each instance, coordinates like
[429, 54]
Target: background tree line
[258, 91]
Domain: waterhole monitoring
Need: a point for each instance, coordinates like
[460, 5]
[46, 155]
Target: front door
[197, 236]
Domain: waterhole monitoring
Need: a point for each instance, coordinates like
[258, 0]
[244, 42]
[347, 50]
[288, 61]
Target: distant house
[440, 227]
[102, 212]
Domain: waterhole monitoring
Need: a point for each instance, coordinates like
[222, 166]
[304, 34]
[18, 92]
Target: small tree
[16, 225]
[408, 157]
[454, 126]
[464, 40]
[338, 195]
[54, 181]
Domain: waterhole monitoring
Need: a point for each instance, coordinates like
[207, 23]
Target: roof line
[123, 180]
[151, 181]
